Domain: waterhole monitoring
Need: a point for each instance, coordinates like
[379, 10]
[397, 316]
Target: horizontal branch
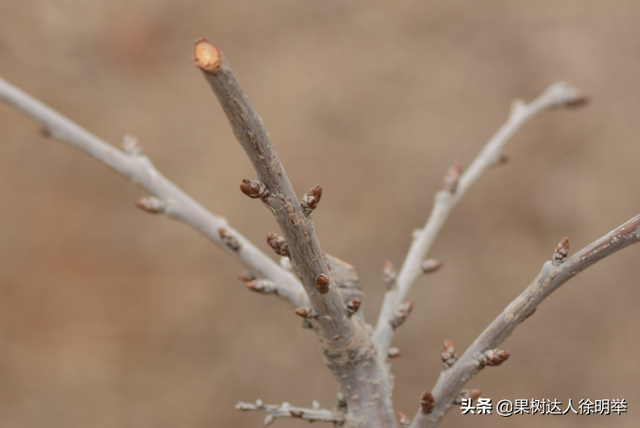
[552, 276]
[285, 410]
[172, 201]
[456, 185]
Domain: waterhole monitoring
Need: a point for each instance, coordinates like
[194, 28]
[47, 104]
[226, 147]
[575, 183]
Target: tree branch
[346, 344]
[285, 410]
[169, 199]
[456, 185]
[551, 277]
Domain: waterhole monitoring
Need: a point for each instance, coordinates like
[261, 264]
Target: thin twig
[138, 169]
[557, 95]
[551, 277]
[285, 410]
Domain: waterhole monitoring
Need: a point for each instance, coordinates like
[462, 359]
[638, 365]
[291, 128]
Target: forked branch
[168, 198]
[552, 276]
[455, 186]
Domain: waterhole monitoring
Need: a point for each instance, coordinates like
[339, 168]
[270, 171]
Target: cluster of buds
[228, 239]
[151, 204]
[389, 275]
[262, 286]
[448, 354]
[353, 306]
[451, 178]
[401, 314]
[493, 357]
[254, 189]
[427, 402]
[310, 200]
[278, 243]
[561, 252]
[431, 265]
[322, 283]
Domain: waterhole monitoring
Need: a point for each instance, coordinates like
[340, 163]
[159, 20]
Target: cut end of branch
[206, 56]
[494, 357]
[389, 275]
[278, 243]
[323, 283]
[353, 306]
[448, 354]
[566, 95]
[151, 204]
[401, 314]
[228, 239]
[431, 265]
[561, 252]
[427, 402]
[310, 200]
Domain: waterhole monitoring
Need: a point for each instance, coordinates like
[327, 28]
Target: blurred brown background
[110, 317]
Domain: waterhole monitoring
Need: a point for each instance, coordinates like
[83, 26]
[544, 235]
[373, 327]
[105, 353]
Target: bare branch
[285, 410]
[346, 345]
[483, 350]
[456, 185]
[168, 197]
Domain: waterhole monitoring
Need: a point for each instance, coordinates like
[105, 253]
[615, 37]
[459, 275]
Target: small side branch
[285, 410]
[484, 350]
[456, 184]
[167, 199]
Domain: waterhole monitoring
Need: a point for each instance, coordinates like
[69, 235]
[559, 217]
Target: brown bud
[151, 204]
[353, 306]
[253, 189]
[228, 239]
[427, 402]
[531, 313]
[448, 353]
[262, 286]
[503, 158]
[389, 275]
[561, 252]
[305, 312]
[403, 419]
[246, 276]
[401, 314]
[130, 145]
[394, 353]
[494, 357]
[431, 265]
[310, 200]
[323, 282]
[278, 243]
[451, 178]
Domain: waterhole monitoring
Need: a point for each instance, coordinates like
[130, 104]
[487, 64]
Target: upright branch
[456, 184]
[167, 199]
[483, 351]
[347, 347]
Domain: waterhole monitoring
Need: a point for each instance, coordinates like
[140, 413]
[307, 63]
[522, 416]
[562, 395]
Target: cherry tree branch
[285, 410]
[552, 275]
[168, 198]
[346, 344]
[456, 185]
